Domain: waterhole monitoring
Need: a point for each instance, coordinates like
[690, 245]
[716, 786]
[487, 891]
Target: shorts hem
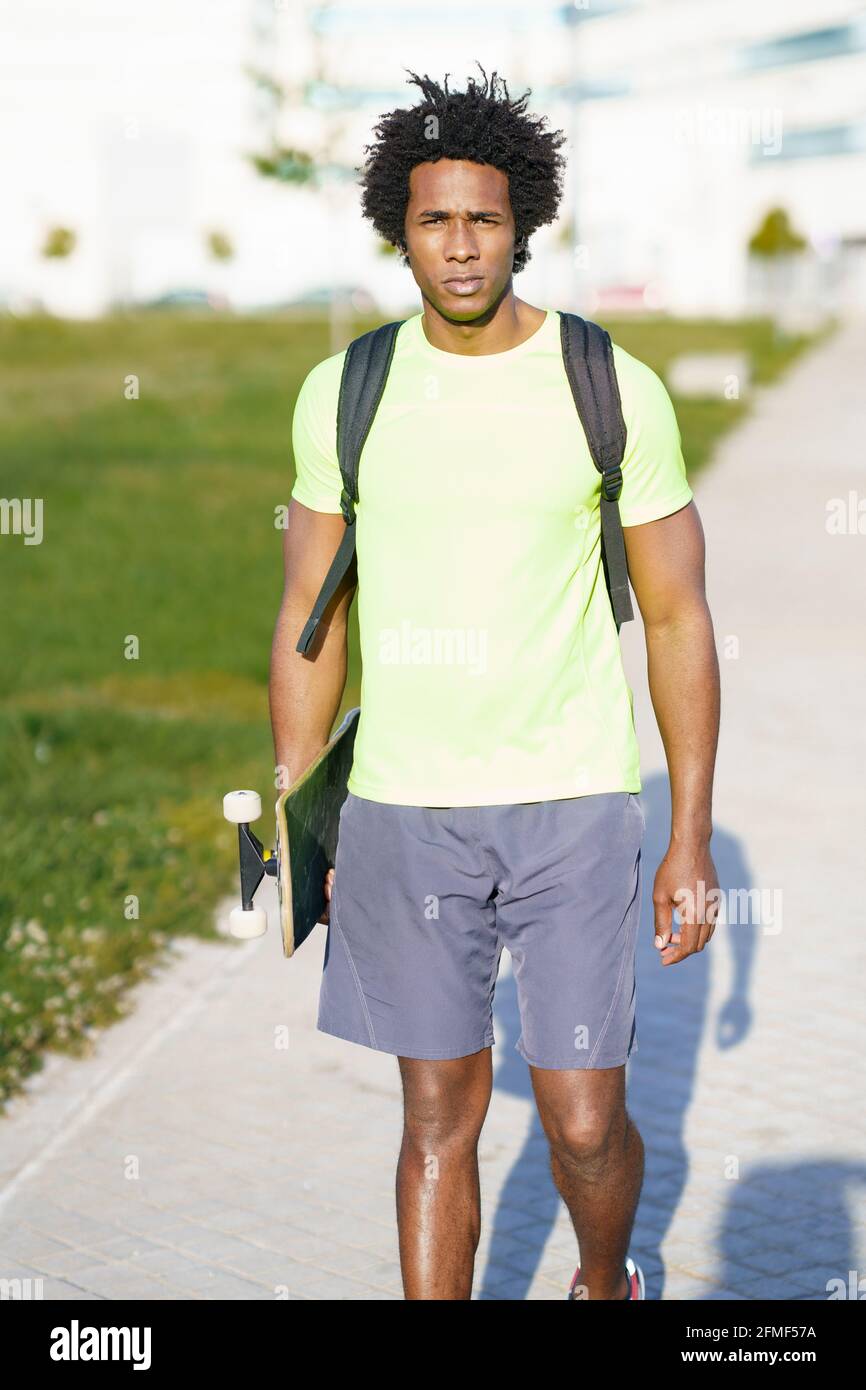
[571, 1065]
[450, 1054]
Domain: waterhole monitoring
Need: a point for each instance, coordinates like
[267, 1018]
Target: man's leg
[597, 1160]
[438, 1193]
[568, 910]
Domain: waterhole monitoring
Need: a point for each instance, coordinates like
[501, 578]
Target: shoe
[634, 1274]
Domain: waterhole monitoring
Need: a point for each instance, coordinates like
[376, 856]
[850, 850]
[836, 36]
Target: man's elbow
[295, 611]
[685, 610]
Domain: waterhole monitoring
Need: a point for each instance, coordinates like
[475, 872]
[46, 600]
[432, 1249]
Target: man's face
[460, 236]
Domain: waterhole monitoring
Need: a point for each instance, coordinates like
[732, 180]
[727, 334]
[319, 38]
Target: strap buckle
[611, 482]
[347, 506]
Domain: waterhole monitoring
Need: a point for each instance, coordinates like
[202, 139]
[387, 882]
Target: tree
[59, 243]
[775, 248]
[776, 237]
[219, 246]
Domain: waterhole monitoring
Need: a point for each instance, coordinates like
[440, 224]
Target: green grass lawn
[159, 523]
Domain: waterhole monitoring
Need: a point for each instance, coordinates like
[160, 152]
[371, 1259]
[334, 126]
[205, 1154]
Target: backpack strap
[587, 355]
[365, 372]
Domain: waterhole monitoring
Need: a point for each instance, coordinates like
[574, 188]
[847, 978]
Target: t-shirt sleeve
[654, 482]
[318, 483]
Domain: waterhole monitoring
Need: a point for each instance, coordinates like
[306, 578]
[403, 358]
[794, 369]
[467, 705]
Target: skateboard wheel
[247, 924]
[242, 807]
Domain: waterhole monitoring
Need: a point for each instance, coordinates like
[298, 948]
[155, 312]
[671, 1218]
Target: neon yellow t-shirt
[491, 661]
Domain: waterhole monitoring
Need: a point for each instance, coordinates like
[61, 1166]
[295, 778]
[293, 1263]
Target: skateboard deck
[308, 819]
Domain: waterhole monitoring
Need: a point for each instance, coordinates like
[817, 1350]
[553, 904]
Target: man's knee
[586, 1135]
[444, 1104]
[582, 1112]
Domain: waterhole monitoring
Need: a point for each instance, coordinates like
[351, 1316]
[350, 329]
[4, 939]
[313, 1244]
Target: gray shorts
[426, 897]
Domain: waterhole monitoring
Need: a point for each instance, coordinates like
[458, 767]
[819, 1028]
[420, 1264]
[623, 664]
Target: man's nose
[461, 243]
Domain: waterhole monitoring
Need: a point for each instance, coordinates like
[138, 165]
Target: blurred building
[133, 126]
[710, 114]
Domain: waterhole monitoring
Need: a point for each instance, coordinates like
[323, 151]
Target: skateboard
[308, 819]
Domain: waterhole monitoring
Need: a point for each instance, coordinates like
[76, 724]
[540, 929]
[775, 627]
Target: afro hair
[483, 125]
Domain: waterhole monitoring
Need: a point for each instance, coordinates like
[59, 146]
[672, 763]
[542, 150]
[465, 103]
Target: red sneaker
[634, 1274]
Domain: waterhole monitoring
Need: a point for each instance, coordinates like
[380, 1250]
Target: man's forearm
[305, 693]
[683, 672]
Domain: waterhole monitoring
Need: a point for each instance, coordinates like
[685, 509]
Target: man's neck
[505, 325]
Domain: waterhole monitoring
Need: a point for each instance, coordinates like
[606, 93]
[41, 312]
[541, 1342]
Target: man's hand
[686, 880]
[329, 888]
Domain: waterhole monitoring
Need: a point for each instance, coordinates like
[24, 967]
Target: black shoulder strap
[587, 355]
[365, 372]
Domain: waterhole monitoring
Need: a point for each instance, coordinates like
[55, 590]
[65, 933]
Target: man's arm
[666, 566]
[305, 691]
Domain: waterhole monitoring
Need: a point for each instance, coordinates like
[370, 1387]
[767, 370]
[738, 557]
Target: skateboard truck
[241, 808]
[307, 818]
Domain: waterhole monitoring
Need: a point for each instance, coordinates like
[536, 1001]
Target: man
[493, 798]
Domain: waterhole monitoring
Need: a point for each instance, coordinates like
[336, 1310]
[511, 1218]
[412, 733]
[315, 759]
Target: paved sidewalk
[194, 1155]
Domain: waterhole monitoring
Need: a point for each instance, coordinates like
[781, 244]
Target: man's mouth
[464, 284]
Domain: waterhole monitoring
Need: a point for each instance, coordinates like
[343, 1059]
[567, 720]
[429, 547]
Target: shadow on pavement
[794, 1218]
